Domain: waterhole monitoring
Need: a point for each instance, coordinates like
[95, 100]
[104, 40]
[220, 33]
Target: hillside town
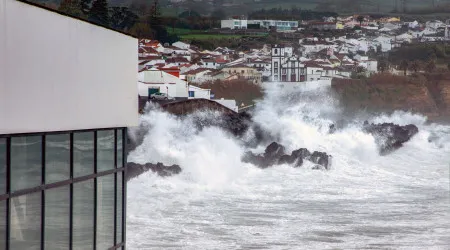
[179, 70]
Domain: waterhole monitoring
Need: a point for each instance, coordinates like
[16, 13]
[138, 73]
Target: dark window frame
[118, 243]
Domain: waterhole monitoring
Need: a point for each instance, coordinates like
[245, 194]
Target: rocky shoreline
[388, 136]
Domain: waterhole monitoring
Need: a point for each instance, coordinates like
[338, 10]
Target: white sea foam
[396, 201]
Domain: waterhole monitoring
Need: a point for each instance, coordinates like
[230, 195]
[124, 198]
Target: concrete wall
[58, 73]
[193, 105]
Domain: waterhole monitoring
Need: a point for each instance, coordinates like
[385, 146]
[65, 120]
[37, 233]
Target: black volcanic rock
[275, 155]
[320, 158]
[134, 169]
[236, 123]
[301, 153]
[274, 150]
[390, 136]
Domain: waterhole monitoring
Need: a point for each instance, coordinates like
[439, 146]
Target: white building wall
[200, 93]
[177, 88]
[233, 24]
[181, 45]
[313, 74]
[72, 75]
[372, 66]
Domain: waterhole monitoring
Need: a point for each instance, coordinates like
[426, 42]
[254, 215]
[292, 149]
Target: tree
[154, 21]
[141, 30]
[430, 66]
[383, 65]
[416, 65]
[85, 6]
[188, 14]
[359, 73]
[99, 12]
[360, 19]
[218, 14]
[448, 66]
[71, 7]
[122, 18]
[404, 65]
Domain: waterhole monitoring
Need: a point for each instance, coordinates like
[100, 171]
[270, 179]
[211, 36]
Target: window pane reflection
[26, 162]
[26, 222]
[105, 150]
[2, 225]
[119, 208]
[119, 148]
[83, 215]
[83, 154]
[57, 158]
[57, 218]
[2, 166]
[105, 212]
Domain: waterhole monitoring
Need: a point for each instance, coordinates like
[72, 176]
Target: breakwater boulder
[275, 154]
[390, 136]
[135, 169]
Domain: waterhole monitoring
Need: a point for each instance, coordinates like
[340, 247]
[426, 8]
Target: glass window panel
[2, 166]
[119, 208]
[105, 150]
[83, 154]
[57, 218]
[26, 222]
[83, 215]
[57, 158]
[26, 162]
[105, 212]
[2, 225]
[119, 148]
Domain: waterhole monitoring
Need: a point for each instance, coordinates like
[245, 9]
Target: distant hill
[243, 7]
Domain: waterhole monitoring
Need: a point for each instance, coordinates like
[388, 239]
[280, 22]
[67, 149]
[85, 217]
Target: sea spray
[366, 200]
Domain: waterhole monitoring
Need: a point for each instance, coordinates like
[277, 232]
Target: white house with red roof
[181, 45]
[177, 60]
[147, 51]
[196, 75]
[157, 81]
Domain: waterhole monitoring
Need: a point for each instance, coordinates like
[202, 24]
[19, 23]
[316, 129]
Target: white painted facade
[313, 73]
[164, 82]
[181, 45]
[233, 24]
[199, 93]
[73, 75]
[279, 55]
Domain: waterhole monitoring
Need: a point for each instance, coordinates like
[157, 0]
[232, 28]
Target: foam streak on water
[398, 201]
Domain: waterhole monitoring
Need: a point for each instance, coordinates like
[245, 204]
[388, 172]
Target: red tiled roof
[150, 58]
[195, 71]
[155, 82]
[321, 23]
[177, 60]
[311, 64]
[222, 61]
[149, 50]
[144, 62]
[169, 68]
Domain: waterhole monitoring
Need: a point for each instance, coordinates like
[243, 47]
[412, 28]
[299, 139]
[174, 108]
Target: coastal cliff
[428, 94]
